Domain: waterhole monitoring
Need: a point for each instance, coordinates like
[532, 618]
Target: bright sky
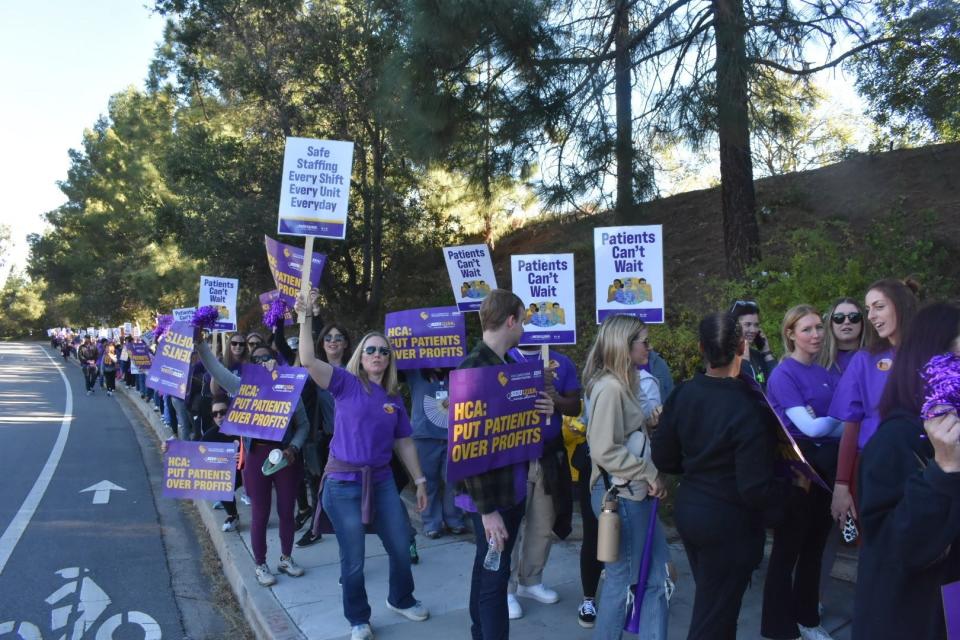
[61, 62]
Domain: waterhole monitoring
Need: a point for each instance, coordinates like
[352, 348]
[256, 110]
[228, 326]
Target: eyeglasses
[260, 359]
[746, 304]
[237, 344]
[384, 351]
[854, 317]
[330, 337]
[254, 343]
[644, 341]
[219, 414]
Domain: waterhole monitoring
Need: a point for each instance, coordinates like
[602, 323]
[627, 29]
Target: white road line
[10, 537]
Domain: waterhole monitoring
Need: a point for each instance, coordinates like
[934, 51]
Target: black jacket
[910, 520]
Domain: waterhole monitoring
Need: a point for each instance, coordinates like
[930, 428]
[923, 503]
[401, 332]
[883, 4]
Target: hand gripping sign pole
[305, 275]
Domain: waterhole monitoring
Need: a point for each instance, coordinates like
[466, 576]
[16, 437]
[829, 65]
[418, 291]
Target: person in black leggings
[590, 567]
[221, 404]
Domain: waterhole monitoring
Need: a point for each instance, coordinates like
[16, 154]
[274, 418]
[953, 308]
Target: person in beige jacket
[621, 465]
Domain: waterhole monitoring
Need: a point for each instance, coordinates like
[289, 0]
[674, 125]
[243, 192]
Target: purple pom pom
[205, 317]
[275, 314]
[163, 323]
[942, 375]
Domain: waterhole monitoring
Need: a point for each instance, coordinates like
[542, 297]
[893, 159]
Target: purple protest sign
[492, 418]
[200, 470]
[951, 609]
[140, 355]
[170, 372]
[265, 402]
[286, 265]
[266, 299]
[427, 338]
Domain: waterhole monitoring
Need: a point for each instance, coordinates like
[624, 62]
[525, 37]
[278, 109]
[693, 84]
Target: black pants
[724, 544]
[89, 376]
[110, 377]
[489, 618]
[590, 567]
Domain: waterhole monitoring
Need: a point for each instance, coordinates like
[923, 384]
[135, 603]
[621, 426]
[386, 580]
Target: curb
[267, 618]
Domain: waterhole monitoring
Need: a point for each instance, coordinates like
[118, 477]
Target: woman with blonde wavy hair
[845, 335]
[620, 454]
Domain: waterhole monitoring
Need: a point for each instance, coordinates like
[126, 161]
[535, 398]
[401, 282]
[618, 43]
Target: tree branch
[827, 65]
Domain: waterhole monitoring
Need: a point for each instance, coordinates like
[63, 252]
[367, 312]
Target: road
[88, 549]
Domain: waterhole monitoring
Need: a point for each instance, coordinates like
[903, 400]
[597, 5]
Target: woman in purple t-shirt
[800, 391]
[357, 489]
[843, 337]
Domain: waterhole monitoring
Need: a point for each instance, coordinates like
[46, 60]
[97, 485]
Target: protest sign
[103, 332]
[427, 338]
[222, 294]
[492, 418]
[184, 315]
[545, 284]
[471, 274]
[266, 299]
[286, 266]
[128, 328]
[170, 371]
[629, 272]
[951, 609]
[315, 187]
[199, 470]
[265, 402]
[140, 355]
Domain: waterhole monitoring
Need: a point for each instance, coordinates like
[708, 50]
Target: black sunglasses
[384, 351]
[333, 338]
[254, 343]
[219, 414]
[745, 304]
[237, 344]
[260, 359]
[854, 317]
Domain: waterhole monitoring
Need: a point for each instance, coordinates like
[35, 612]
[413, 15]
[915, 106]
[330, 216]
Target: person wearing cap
[357, 488]
[759, 362]
[259, 486]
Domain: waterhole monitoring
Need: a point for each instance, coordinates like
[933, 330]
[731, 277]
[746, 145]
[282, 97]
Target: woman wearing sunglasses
[259, 486]
[844, 335]
[358, 487]
[218, 411]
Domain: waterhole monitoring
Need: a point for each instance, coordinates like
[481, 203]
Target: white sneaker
[244, 499]
[361, 632]
[538, 592]
[289, 567]
[814, 633]
[264, 576]
[514, 610]
[230, 524]
[417, 612]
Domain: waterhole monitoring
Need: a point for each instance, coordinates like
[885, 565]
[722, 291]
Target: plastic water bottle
[491, 562]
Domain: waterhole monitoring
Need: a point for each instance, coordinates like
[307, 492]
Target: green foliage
[21, 307]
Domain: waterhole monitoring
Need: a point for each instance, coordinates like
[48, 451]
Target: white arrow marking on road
[101, 491]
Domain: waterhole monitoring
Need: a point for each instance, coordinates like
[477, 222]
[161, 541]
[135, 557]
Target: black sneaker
[302, 518]
[308, 539]
[587, 615]
[414, 556]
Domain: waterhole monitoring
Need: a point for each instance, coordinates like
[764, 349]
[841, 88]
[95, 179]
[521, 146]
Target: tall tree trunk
[623, 85]
[741, 235]
[376, 231]
[487, 177]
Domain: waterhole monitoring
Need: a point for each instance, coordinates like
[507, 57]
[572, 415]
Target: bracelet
[420, 480]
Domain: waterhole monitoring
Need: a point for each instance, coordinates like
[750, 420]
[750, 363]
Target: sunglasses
[854, 317]
[261, 359]
[219, 414]
[384, 351]
[645, 341]
[237, 344]
[333, 338]
[746, 304]
[254, 343]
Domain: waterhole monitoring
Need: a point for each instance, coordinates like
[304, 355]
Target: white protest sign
[629, 272]
[545, 284]
[222, 294]
[184, 315]
[90, 332]
[471, 274]
[315, 187]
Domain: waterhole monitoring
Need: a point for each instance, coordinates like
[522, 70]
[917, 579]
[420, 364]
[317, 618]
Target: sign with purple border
[222, 294]
[546, 286]
[427, 338]
[266, 300]
[315, 188]
[140, 355]
[492, 418]
[628, 264]
[286, 266]
[471, 274]
[951, 609]
[170, 372]
[265, 403]
[199, 470]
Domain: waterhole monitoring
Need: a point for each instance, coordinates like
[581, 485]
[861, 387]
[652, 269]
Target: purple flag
[951, 609]
[427, 338]
[492, 418]
[140, 355]
[265, 403]
[201, 470]
[170, 372]
[286, 265]
[266, 299]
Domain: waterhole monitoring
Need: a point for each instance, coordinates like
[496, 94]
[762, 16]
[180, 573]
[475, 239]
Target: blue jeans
[440, 508]
[341, 501]
[611, 608]
[141, 382]
[185, 426]
[488, 589]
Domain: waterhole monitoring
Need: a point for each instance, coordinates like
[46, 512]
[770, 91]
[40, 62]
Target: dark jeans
[724, 544]
[89, 376]
[110, 377]
[488, 589]
[590, 567]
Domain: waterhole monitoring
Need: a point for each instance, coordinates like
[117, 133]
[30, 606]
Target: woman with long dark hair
[909, 496]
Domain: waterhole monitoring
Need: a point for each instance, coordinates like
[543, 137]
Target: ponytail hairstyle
[720, 338]
[790, 319]
[902, 294]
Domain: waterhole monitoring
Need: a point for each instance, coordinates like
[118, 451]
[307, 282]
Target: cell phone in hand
[760, 342]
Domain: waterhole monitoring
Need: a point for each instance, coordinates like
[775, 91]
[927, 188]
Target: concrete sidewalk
[310, 606]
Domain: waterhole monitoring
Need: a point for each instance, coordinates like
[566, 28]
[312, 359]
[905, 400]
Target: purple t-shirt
[566, 382]
[794, 384]
[365, 424]
[857, 398]
[843, 361]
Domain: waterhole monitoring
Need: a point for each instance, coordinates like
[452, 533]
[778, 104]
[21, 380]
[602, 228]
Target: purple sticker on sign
[265, 402]
[427, 338]
[170, 372]
[199, 470]
[286, 266]
[140, 355]
[492, 418]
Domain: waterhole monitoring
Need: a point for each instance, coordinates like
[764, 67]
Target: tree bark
[623, 86]
[376, 240]
[741, 234]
